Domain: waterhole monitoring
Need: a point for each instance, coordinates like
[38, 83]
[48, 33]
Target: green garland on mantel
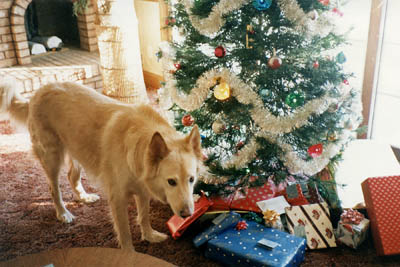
[79, 6]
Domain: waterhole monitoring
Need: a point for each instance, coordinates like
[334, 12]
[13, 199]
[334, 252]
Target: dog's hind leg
[51, 157]
[143, 209]
[74, 177]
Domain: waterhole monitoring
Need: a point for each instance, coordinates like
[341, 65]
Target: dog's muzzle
[186, 212]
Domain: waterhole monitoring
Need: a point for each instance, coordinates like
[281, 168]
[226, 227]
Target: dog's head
[175, 165]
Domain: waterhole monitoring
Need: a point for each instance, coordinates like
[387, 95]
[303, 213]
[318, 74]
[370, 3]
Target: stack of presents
[265, 227]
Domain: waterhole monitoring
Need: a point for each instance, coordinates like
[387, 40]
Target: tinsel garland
[244, 94]
[212, 24]
[272, 126]
[305, 23]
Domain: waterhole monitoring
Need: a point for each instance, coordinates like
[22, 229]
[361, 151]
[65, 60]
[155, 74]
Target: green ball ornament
[341, 58]
[295, 99]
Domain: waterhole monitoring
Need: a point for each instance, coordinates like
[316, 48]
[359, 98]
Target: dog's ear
[158, 148]
[193, 139]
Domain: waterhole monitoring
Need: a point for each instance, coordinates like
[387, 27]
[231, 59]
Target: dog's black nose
[185, 213]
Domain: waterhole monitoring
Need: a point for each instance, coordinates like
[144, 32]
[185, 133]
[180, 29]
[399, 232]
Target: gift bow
[351, 216]
[270, 216]
[241, 225]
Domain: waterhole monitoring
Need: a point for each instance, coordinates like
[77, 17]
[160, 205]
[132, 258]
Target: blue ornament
[341, 58]
[264, 93]
[202, 137]
[262, 4]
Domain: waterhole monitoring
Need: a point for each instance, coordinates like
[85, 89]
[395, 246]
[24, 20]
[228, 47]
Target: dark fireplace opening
[51, 25]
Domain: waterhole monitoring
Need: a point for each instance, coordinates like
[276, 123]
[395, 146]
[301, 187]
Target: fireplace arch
[86, 27]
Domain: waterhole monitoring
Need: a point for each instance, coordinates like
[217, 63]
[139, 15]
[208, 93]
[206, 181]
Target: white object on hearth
[363, 159]
[36, 48]
[50, 42]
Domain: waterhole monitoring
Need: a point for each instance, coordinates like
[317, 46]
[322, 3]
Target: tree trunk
[120, 60]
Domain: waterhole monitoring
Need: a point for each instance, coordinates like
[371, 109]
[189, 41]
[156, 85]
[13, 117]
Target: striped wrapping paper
[317, 224]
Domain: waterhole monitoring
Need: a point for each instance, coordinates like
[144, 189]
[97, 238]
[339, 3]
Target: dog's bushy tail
[12, 102]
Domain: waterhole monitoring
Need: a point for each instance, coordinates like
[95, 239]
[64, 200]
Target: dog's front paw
[65, 217]
[154, 236]
[88, 198]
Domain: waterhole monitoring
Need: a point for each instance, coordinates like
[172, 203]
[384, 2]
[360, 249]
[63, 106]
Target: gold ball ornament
[332, 136]
[222, 91]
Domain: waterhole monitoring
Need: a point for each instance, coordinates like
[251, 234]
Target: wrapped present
[221, 203]
[177, 225]
[248, 200]
[256, 246]
[243, 199]
[316, 221]
[302, 194]
[382, 201]
[220, 224]
[352, 228]
[294, 195]
[277, 204]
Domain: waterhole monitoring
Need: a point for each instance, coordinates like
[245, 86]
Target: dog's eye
[191, 179]
[171, 182]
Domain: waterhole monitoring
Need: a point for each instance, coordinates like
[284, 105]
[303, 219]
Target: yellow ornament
[222, 91]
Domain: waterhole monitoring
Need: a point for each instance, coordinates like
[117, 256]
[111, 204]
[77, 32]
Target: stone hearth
[73, 65]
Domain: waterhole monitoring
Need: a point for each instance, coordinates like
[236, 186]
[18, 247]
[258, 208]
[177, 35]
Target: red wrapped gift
[177, 225]
[248, 200]
[302, 194]
[294, 195]
[382, 200]
[221, 202]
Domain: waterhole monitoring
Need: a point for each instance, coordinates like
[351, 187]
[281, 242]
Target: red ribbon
[351, 216]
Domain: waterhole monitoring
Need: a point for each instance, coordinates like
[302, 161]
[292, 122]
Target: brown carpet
[28, 223]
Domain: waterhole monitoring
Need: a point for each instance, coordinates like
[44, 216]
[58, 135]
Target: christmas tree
[264, 81]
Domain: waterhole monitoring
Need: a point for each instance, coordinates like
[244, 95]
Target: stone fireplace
[14, 49]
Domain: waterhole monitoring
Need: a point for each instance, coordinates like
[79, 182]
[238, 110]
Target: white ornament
[218, 126]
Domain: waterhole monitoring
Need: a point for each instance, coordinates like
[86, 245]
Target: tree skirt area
[28, 222]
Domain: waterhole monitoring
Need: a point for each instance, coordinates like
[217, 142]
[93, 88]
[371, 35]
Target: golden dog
[129, 149]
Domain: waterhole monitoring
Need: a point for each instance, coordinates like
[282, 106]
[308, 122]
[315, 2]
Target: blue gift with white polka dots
[239, 248]
[226, 220]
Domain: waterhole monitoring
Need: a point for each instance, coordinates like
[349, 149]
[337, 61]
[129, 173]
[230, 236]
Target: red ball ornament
[239, 145]
[187, 120]
[253, 178]
[172, 21]
[315, 150]
[337, 11]
[324, 2]
[315, 65]
[177, 66]
[274, 62]
[346, 82]
[220, 51]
